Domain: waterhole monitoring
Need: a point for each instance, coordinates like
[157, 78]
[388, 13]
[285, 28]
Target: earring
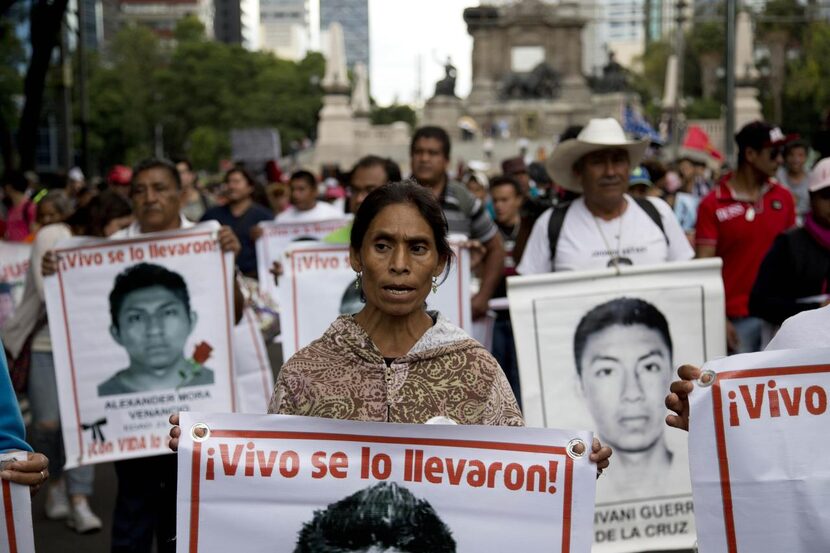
[434, 285]
[357, 281]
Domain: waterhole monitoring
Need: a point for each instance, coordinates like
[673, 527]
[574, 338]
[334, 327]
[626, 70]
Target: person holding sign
[394, 361]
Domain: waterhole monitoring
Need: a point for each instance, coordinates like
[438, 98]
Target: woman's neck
[393, 336]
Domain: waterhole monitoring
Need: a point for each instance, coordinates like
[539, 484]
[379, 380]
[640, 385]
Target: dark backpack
[557, 218]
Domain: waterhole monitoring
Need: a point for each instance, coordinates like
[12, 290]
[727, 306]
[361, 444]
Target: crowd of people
[600, 199]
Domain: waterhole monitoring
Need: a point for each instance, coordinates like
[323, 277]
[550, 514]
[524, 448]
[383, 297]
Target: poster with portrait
[252, 369]
[141, 328]
[276, 237]
[319, 285]
[757, 452]
[14, 263]
[16, 533]
[307, 484]
[598, 350]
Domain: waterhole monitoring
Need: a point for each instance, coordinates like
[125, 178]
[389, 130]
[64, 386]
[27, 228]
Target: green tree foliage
[195, 91]
[390, 114]
[11, 85]
[807, 96]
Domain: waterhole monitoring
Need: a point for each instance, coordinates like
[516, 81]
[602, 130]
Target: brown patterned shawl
[342, 375]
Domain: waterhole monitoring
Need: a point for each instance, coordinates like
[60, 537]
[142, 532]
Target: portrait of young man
[151, 318]
[623, 353]
[384, 518]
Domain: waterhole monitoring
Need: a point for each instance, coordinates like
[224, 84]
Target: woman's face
[398, 259]
[47, 214]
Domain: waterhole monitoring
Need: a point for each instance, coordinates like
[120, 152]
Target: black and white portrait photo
[152, 320]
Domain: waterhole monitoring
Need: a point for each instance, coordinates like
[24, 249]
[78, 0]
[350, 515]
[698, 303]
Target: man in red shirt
[738, 222]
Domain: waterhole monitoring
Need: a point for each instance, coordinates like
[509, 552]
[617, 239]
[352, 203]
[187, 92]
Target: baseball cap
[119, 175]
[820, 176]
[760, 134]
[640, 175]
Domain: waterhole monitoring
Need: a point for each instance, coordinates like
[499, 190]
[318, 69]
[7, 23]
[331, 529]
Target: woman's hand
[600, 455]
[175, 432]
[49, 264]
[32, 472]
[678, 399]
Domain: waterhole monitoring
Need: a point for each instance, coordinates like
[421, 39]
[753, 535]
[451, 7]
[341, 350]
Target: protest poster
[14, 263]
[276, 237]
[757, 452]
[598, 350]
[141, 328]
[252, 369]
[16, 533]
[318, 285]
[297, 483]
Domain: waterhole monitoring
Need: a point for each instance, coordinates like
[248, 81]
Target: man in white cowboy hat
[605, 227]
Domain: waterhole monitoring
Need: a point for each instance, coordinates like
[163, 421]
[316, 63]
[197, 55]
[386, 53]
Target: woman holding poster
[394, 361]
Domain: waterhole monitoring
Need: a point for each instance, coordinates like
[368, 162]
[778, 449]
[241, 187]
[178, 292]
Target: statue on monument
[542, 82]
[446, 86]
[614, 77]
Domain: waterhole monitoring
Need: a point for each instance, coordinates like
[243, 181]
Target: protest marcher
[34, 471]
[20, 209]
[515, 230]
[639, 183]
[691, 165]
[793, 175]
[605, 227]
[54, 207]
[738, 222]
[304, 205]
[795, 274]
[146, 499]
[394, 361]
[75, 183]
[477, 184]
[533, 206]
[242, 215]
[370, 172]
[104, 215]
[430, 158]
[195, 202]
[27, 336]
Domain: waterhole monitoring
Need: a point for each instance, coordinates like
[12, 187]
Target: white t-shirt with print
[322, 211]
[588, 242]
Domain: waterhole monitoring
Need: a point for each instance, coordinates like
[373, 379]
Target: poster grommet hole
[576, 448]
[199, 432]
[707, 378]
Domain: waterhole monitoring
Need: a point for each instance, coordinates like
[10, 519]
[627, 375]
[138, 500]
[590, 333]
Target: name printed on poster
[765, 401]
[653, 519]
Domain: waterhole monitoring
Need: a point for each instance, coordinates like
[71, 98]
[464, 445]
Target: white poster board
[264, 483]
[14, 263]
[16, 532]
[276, 237]
[141, 328]
[253, 378]
[757, 451]
[598, 350]
[318, 285]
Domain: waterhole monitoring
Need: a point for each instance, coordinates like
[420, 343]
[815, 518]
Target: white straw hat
[820, 176]
[598, 134]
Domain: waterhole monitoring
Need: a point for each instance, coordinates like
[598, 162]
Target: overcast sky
[401, 31]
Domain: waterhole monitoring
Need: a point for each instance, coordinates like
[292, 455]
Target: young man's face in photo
[153, 326]
[626, 371]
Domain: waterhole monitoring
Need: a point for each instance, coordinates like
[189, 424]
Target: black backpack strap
[557, 218]
[654, 215]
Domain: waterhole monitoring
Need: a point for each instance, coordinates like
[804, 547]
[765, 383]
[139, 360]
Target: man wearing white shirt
[605, 227]
[304, 205]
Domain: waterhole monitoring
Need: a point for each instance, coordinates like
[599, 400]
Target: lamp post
[731, 20]
[679, 45]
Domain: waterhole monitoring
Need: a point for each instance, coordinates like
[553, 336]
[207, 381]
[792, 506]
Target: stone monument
[747, 106]
[527, 75]
[444, 109]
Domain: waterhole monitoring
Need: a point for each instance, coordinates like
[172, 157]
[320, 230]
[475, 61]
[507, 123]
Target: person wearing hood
[795, 273]
[394, 361]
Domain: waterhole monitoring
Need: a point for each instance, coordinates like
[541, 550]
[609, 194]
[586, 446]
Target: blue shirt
[241, 226]
[12, 431]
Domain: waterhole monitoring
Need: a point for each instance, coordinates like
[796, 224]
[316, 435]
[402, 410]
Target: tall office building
[353, 16]
[237, 22]
[285, 27]
[162, 15]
